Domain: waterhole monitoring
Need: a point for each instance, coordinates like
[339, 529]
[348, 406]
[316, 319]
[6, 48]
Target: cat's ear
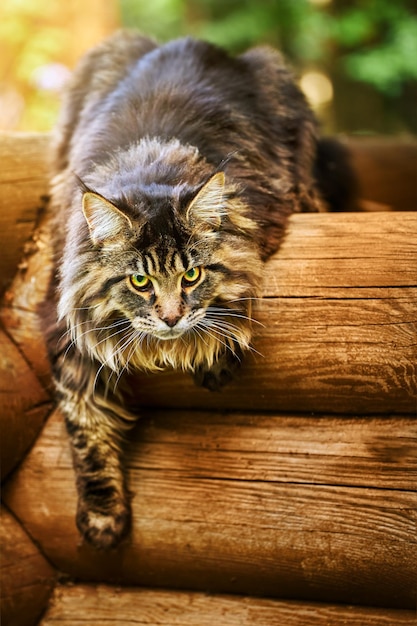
[208, 206]
[104, 220]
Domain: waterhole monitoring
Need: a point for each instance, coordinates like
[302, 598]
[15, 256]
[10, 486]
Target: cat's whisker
[214, 335]
[77, 336]
[71, 331]
[221, 322]
[225, 307]
[227, 330]
[230, 313]
[123, 344]
[136, 340]
[225, 322]
[76, 339]
[220, 327]
[96, 377]
[252, 349]
[117, 332]
[251, 298]
[201, 337]
[87, 308]
[111, 357]
[62, 337]
[132, 345]
[226, 333]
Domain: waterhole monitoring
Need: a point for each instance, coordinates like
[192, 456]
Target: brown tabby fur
[170, 162]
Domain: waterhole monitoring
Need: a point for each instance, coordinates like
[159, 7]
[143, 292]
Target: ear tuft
[104, 220]
[208, 205]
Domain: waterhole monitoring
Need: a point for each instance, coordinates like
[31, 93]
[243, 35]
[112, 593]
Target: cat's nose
[171, 320]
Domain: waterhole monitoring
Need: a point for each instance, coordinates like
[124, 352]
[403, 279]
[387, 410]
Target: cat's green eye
[138, 281]
[192, 276]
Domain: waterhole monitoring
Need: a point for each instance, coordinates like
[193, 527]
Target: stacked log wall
[297, 483]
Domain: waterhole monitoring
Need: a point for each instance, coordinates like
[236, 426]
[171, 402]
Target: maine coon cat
[176, 168]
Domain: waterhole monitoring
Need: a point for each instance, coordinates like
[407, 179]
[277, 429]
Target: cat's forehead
[164, 236]
[164, 261]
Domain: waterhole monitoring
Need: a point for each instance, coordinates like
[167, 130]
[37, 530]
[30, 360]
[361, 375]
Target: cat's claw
[103, 530]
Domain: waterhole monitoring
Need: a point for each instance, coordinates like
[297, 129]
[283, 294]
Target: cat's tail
[335, 176]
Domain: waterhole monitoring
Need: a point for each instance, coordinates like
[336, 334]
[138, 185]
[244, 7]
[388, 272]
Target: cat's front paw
[103, 529]
[219, 374]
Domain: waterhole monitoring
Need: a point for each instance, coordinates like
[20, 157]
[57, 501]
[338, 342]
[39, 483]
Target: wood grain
[380, 452]
[27, 579]
[97, 605]
[23, 182]
[20, 310]
[348, 356]
[24, 405]
[254, 509]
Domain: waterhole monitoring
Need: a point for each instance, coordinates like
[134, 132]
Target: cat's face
[174, 287]
[172, 302]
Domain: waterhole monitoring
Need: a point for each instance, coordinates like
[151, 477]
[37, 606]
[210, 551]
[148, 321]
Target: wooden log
[386, 171]
[24, 406]
[338, 325]
[319, 509]
[98, 605]
[27, 579]
[385, 168]
[23, 183]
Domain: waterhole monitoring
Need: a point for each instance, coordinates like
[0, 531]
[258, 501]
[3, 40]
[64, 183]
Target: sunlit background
[356, 60]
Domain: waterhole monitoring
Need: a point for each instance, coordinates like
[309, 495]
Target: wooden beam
[319, 509]
[27, 579]
[97, 605]
[385, 168]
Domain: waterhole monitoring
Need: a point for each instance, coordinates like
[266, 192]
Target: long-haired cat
[176, 167]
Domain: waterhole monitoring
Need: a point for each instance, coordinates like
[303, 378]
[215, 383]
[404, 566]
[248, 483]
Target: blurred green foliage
[368, 49]
[379, 41]
[374, 41]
